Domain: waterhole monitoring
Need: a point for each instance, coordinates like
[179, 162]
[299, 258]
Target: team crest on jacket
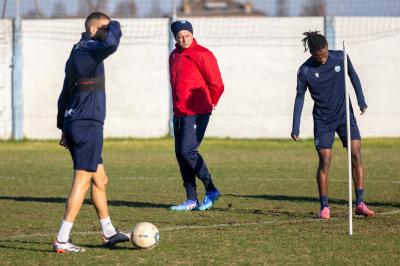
[317, 75]
[337, 68]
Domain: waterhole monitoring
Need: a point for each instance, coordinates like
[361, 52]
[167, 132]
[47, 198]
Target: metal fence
[257, 43]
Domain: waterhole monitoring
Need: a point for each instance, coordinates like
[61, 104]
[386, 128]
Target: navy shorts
[85, 143]
[324, 135]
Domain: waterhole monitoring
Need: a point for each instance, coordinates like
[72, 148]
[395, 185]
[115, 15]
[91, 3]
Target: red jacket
[195, 80]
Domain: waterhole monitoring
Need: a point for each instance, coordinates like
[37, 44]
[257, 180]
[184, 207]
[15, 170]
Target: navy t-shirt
[326, 85]
[86, 61]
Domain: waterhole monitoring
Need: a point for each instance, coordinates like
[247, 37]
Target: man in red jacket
[196, 88]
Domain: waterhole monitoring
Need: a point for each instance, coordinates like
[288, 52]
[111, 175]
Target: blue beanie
[179, 25]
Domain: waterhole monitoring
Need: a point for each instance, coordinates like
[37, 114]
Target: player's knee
[356, 158]
[105, 181]
[85, 186]
[82, 182]
[101, 183]
[189, 184]
[325, 162]
[179, 154]
[185, 153]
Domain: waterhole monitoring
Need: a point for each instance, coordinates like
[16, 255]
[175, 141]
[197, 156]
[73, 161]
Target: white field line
[261, 179]
[191, 227]
[389, 213]
[291, 179]
[183, 227]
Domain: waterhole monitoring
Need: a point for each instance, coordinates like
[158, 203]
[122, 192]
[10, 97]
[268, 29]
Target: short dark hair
[94, 16]
[314, 41]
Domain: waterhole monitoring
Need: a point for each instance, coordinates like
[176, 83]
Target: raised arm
[101, 49]
[355, 81]
[298, 104]
[212, 77]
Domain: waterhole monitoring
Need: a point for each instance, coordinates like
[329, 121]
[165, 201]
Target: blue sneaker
[117, 238]
[209, 200]
[189, 205]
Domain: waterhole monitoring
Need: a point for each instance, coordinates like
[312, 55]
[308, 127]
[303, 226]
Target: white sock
[65, 230]
[107, 227]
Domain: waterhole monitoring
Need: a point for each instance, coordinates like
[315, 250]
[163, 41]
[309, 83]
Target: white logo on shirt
[317, 75]
[337, 68]
[69, 112]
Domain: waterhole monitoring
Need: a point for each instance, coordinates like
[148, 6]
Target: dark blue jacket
[326, 85]
[85, 63]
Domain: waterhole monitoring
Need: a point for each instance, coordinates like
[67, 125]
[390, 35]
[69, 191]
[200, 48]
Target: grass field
[265, 216]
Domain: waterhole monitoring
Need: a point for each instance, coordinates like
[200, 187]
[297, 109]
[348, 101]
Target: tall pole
[17, 95]
[348, 140]
[174, 9]
[3, 14]
[330, 31]
[171, 47]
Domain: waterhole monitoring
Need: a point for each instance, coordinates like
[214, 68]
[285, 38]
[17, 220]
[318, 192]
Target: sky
[334, 7]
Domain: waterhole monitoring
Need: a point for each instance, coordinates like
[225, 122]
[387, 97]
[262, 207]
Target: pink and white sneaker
[66, 247]
[363, 210]
[325, 213]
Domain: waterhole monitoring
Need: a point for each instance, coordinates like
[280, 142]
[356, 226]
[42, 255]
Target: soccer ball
[145, 236]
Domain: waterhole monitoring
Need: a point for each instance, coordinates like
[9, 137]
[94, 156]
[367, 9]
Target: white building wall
[374, 56]
[260, 78]
[6, 46]
[136, 77]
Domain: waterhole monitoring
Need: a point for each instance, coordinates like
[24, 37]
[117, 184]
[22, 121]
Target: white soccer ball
[145, 236]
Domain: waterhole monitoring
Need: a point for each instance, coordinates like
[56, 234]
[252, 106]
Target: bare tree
[87, 6]
[155, 9]
[282, 8]
[34, 12]
[3, 13]
[314, 8]
[59, 10]
[37, 8]
[125, 9]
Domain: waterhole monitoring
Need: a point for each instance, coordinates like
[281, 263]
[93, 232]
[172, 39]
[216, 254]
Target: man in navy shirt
[81, 114]
[323, 75]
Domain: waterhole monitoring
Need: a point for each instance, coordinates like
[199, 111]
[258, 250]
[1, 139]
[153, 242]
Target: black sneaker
[117, 238]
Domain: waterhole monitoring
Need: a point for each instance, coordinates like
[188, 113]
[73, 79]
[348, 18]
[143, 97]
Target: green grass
[265, 215]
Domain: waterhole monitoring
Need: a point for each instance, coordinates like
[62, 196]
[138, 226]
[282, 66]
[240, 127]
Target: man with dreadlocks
[322, 74]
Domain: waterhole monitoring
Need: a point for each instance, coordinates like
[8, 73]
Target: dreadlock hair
[314, 41]
[95, 16]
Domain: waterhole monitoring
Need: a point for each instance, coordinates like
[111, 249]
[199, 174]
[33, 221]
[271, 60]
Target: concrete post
[330, 31]
[17, 95]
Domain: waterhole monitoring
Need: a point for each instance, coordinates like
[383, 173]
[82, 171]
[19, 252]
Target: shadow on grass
[123, 203]
[276, 213]
[24, 245]
[311, 199]
[99, 246]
